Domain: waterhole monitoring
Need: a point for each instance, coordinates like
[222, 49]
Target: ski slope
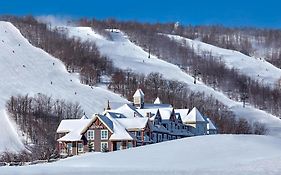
[255, 68]
[26, 69]
[126, 55]
[214, 154]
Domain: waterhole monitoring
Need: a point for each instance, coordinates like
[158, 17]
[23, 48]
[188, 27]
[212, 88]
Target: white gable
[138, 93]
[127, 111]
[183, 113]
[194, 116]
[157, 101]
[210, 125]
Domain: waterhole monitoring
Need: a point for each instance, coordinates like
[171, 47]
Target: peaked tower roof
[210, 125]
[138, 93]
[194, 116]
[157, 101]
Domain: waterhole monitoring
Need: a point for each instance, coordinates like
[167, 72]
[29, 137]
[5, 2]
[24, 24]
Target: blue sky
[227, 12]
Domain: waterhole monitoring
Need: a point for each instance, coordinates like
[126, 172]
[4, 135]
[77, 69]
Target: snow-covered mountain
[126, 55]
[26, 69]
[256, 68]
[216, 154]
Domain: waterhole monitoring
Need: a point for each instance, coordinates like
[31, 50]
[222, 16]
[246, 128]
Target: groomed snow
[255, 68]
[26, 69]
[126, 55]
[214, 154]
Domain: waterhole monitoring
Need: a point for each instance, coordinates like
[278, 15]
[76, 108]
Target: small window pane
[104, 134]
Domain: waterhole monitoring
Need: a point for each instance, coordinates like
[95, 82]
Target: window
[154, 135]
[63, 151]
[118, 146]
[169, 137]
[104, 146]
[104, 134]
[130, 145]
[159, 137]
[90, 134]
[165, 137]
[91, 146]
[69, 148]
[80, 148]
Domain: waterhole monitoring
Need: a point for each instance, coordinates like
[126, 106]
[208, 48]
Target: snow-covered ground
[216, 154]
[26, 69]
[126, 55]
[255, 68]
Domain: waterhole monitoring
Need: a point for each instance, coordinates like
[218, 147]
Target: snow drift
[216, 154]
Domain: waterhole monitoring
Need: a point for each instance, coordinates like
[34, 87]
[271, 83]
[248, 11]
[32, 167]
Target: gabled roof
[165, 113]
[144, 112]
[138, 93]
[133, 123]
[119, 131]
[84, 117]
[69, 125]
[210, 125]
[156, 106]
[182, 112]
[157, 101]
[72, 136]
[73, 128]
[105, 120]
[127, 110]
[194, 116]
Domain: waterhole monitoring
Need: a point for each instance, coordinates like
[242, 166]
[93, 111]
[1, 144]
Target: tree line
[203, 66]
[180, 96]
[38, 118]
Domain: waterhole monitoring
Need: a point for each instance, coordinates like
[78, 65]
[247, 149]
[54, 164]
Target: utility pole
[149, 51]
[244, 97]
[195, 75]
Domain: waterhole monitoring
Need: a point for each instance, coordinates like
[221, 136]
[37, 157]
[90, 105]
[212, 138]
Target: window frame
[101, 134]
[80, 149]
[93, 136]
[101, 146]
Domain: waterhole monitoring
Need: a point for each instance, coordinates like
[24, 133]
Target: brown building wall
[97, 126]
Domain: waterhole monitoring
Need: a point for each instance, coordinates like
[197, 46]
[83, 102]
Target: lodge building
[130, 125]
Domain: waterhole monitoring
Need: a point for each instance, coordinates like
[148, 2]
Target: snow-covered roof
[72, 136]
[119, 131]
[73, 127]
[165, 113]
[133, 123]
[84, 117]
[210, 125]
[193, 117]
[157, 101]
[144, 112]
[69, 125]
[127, 110]
[157, 106]
[183, 112]
[138, 93]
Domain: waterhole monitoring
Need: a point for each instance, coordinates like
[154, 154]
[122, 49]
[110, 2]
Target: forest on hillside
[206, 66]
